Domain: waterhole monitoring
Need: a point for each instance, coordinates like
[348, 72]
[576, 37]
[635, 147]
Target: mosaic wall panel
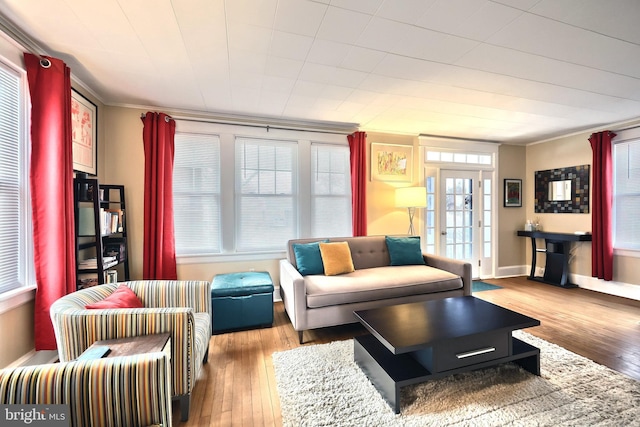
[579, 203]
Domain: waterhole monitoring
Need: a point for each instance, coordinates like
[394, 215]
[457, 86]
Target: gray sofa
[317, 301]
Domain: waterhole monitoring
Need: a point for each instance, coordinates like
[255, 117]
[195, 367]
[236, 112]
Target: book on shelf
[92, 263]
[111, 221]
[111, 276]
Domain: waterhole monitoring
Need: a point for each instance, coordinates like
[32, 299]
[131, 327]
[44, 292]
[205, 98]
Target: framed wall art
[390, 162]
[512, 193]
[562, 190]
[84, 126]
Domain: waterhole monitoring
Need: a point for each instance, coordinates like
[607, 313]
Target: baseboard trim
[620, 289]
[512, 271]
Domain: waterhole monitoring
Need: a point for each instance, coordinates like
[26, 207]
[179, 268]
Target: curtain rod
[628, 128]
[166, 118]
[25, 42]
[267, 127]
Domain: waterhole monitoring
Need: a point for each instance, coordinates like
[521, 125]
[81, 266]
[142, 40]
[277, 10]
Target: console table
[557, 246]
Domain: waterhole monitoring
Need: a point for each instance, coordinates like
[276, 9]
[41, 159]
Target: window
[330, 191]
[240, 192]
[430, 215]
[196, 194]
[15, 251]
[626, 166]
[266, 202]
[487, 208]
[433, 155]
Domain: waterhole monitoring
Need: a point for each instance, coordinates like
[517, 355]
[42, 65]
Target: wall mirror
[560, 191]
[563, 190]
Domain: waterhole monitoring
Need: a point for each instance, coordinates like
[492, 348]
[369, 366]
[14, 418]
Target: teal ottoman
[241, 300]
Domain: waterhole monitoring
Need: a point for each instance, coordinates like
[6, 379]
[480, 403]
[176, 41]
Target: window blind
[196, 194]
[266, 194]
[627, 195]
[331, 191]
[13, 193]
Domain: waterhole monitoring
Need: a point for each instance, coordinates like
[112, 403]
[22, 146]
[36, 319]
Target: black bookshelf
[100, 232]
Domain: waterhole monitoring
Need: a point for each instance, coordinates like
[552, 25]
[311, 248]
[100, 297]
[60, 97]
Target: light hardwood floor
[238, 385]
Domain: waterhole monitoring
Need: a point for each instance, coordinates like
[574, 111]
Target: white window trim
[23, 294]
[16, 297]
[631, 253]
[627, 135]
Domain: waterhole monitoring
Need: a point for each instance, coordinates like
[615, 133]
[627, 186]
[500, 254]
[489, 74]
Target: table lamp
[411, 198]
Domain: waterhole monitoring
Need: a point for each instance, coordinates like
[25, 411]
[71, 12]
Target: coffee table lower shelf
[389, 372]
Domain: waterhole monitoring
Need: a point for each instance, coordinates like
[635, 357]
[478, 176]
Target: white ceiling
[514, 71]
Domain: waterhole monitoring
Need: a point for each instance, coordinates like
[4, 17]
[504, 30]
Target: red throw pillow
[123, 297]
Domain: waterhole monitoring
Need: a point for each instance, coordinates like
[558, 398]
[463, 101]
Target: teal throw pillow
[404, 250]
[308, 258]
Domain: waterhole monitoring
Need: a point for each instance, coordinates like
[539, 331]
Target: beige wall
[16, 333]
[511, 250]
[382, 216]
[564, 152]
[124, 159]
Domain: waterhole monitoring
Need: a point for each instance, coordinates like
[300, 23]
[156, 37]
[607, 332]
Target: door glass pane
[431, 219]
[430, 215]
[468, 218]
[451, 235]
[431, 185]
[459, 186]
[431, 238]
[449, 185]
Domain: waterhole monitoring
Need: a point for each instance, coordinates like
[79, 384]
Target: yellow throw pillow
[336, 258]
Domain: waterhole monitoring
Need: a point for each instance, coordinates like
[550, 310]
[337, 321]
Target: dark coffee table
[416, 342]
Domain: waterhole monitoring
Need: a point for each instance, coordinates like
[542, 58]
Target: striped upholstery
[118, 391]
[181, 308]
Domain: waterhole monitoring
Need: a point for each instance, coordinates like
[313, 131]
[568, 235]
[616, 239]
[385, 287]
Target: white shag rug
[320, 385]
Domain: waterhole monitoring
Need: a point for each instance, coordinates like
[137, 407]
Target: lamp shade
[411, 197]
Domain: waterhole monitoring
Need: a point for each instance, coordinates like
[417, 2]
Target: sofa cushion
[366, 251]
[377, 284]
[336, 258]
[308, 258]
[405, 250]
[122, 297]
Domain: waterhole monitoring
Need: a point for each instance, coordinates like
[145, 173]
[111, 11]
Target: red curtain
[159, 247]
[358, 151]
[602, 196]
[51, 184]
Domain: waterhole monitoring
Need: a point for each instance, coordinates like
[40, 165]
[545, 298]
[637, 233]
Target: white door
[460, 236]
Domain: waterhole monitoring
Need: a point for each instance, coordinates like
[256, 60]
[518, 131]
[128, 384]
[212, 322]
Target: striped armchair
[181, 308]
[99, 392]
